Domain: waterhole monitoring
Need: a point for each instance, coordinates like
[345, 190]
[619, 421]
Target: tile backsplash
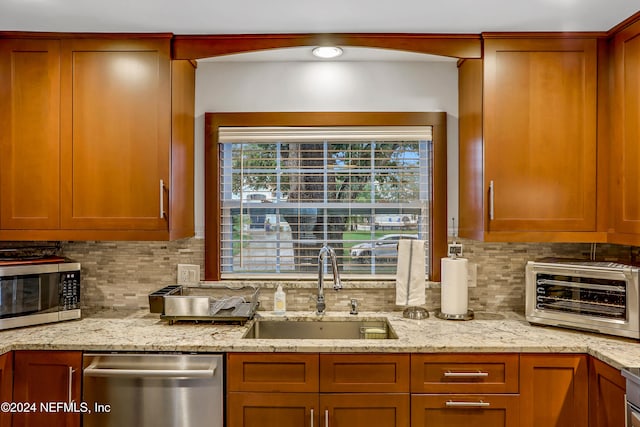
[122, 274]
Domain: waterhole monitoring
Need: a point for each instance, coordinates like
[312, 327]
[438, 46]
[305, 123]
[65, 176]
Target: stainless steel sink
[321, 329]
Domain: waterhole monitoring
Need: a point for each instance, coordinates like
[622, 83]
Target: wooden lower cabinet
[464, 373]
[305, 390]
[272, 409]
[453, 410]
[364, 410]
[6, 386]
[48, 376]
[310, 409]
[607, 388]
[364, 373]
[554, 390]
[423, 390]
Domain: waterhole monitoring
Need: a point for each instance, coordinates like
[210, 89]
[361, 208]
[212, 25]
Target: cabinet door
[461, 410]
[48, 376]
[272, 372]
[30, 137]
[364, 373]
[364, 410]
[6, 386]
[116, 131]
[626, 131]
[554, 390]
[607, 388]
[540, 134]
[246, 409]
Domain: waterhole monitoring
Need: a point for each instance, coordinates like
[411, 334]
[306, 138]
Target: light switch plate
[188, 274]
[472, 275]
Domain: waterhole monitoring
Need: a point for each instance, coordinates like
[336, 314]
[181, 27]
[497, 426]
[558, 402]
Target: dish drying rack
[205, 303]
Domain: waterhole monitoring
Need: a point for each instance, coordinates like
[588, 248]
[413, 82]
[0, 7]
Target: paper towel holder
[468, 316]
[417, 313]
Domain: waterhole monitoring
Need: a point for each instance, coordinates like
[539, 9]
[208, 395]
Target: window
[276, 193]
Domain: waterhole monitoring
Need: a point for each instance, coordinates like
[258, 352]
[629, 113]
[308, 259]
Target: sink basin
[321, 329]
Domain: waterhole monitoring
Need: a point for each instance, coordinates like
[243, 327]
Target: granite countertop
[488, 332]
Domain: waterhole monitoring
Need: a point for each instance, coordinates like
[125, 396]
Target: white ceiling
[321, 16]
[306, 16]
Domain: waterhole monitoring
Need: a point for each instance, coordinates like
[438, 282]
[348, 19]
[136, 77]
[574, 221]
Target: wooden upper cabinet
[97, 140]
[30, 137]
[534, 148]
[116, 134]
[540, 134]
[626, 135]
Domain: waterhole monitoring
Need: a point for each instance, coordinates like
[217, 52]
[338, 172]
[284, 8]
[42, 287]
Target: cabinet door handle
[454, 404]
[162, 198]
[491, 193]
[326, 418]
[70, 395]
[478, 374]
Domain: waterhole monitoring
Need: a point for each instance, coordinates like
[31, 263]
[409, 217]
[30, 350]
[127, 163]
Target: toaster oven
[586, 295]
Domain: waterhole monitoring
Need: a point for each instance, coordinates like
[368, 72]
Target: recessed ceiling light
[327, 52]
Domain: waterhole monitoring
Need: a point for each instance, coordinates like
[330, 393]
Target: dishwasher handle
[94, 371]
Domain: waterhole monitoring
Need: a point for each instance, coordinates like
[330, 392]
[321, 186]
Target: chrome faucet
[337, 285]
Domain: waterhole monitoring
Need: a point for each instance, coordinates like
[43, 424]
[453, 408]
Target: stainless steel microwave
[591, 296]
[39, 293]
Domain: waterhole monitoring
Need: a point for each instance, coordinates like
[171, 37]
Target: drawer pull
[478, 374]
[454, 404]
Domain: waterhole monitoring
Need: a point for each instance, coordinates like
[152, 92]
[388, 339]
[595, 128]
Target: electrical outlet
[454, 249]
[188, 274]
[472, 275]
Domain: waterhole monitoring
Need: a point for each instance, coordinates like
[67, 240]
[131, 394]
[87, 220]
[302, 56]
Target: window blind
[287, 191]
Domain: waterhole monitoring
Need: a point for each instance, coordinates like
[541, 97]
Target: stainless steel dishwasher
[153, 390]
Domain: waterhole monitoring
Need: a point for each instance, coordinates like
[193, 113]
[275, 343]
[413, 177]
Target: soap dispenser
[279, 301]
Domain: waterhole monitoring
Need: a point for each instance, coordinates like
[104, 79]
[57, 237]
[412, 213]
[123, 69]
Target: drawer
[488, 410]
[352, 373]
[464, 373]
[272, 372]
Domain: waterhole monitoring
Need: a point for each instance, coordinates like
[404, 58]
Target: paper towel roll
[454, 298]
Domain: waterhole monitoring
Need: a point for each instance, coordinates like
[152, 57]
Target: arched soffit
[204, 46]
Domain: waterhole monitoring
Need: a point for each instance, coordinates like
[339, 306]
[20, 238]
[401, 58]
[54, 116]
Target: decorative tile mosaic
[122, 274]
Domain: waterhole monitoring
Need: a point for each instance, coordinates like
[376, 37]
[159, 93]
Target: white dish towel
[410, 273]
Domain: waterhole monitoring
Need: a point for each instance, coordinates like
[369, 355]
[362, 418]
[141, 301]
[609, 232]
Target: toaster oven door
[601, 298]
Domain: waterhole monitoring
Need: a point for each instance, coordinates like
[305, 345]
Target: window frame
[437, 206]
